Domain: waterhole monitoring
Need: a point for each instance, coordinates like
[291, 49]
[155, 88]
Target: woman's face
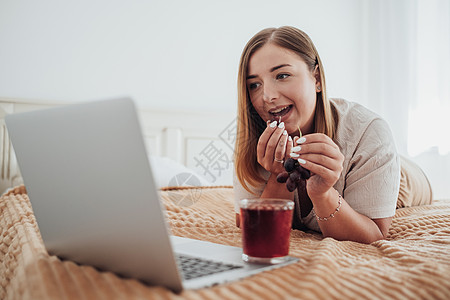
[280, 85]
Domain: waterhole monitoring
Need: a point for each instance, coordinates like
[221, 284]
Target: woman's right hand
[274, 146]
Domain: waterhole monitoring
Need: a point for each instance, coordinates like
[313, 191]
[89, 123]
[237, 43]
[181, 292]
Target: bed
[413, 262]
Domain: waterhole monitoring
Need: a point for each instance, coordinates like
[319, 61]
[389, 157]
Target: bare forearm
[347, 224]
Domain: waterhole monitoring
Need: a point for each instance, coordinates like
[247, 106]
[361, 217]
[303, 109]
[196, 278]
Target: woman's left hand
[320, 155]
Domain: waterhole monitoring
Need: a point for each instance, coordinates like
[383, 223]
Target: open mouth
[280, 112]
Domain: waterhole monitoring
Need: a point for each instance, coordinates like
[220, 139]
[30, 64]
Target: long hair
[250, 125]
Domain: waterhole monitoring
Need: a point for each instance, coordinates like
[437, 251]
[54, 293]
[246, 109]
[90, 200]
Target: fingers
[279, 146]
[316, 144]
[320, 164]
[314, 139]
[289, 146]
[272, 145]
[263, 139]
[319, 154]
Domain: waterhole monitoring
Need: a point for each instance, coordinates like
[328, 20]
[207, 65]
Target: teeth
[279, 110]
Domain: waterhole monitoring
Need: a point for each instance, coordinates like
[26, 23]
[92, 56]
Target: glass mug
[266, 226]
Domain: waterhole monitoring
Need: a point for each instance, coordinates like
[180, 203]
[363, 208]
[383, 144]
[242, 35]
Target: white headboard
[201, 141]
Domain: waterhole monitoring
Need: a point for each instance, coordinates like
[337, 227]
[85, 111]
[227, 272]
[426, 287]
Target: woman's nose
[269, 93]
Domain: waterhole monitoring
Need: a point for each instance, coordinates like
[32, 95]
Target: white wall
[184, 54]
[165, 54]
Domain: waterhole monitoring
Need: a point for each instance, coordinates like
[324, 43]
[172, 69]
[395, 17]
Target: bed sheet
[413, 262]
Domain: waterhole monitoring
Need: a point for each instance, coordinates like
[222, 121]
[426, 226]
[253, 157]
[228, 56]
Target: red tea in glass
[266, 226]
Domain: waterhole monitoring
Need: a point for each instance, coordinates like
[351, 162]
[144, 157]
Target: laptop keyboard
[194, 267]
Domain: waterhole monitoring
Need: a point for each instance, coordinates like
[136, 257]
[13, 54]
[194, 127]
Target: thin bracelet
[331, 215]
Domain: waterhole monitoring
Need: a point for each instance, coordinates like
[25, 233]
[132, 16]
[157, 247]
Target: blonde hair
[250, 125]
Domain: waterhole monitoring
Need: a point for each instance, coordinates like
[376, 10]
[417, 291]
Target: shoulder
[371, 168]
[356, 123]
[352, 116]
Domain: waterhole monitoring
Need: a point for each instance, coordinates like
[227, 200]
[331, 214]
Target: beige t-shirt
[370, 178]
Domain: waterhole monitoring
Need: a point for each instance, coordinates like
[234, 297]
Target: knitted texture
[412, 263]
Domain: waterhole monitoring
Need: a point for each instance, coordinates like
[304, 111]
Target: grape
[295, 175]
[282, 177]
[290, 164]
[305, 174]
[291, 185]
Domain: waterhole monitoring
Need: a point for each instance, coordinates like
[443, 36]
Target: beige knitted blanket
[412, 263]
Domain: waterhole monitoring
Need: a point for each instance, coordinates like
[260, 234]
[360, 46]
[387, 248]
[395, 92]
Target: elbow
[362, 237]
[377, 236]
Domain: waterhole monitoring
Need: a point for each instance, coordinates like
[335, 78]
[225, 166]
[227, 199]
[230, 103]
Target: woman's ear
[316, 74]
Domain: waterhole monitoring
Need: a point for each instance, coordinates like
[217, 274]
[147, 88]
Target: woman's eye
[282, 76]
[253, 86]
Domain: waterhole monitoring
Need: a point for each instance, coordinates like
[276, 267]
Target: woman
[350, 152]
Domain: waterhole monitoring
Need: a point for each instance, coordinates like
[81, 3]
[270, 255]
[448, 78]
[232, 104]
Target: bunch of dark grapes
[294, 176]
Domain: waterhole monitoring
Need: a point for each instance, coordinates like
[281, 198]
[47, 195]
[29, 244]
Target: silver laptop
[91, 186]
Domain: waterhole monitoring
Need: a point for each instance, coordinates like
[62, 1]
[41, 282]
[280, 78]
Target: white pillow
[168, 172]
